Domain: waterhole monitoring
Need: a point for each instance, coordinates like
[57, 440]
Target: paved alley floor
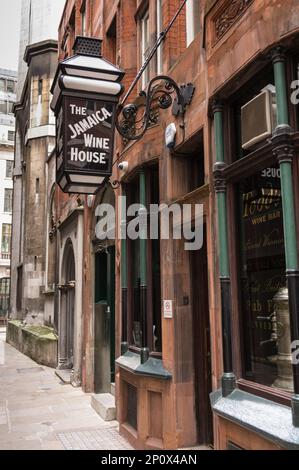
[37, 411]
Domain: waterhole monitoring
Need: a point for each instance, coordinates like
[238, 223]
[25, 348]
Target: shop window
[7, 200]
[192, 20]
[262, 278]
[153, 317]
[257, 246]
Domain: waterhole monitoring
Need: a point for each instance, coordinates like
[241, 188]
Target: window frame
[145, 20]
[192, 20]
[8, 238]
[10, 199]
[130, 299]
[10, 167]
[237, 169]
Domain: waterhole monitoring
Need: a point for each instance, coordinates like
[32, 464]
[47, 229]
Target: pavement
[39, 412]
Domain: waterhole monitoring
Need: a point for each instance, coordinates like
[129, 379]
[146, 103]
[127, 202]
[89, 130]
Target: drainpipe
[124, 276]
[228, 379]
[284, 152]
[144, 353]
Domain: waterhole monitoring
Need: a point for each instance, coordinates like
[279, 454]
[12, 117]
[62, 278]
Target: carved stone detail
[229, 15]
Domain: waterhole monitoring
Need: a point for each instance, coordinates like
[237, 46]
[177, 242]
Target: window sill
[151, 368]
[273, 394]
[261, 416]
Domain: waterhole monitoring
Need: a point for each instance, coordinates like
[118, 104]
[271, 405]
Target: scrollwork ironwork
[134, 119]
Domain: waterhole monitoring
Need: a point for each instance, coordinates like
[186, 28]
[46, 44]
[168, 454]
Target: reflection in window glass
[262, 278]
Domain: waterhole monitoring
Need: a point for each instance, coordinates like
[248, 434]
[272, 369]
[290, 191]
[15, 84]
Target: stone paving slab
[94, 439]
[38, 412]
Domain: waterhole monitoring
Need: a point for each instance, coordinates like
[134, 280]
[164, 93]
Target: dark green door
[104, 319]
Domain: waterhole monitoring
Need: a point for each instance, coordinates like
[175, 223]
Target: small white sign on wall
[167, 308]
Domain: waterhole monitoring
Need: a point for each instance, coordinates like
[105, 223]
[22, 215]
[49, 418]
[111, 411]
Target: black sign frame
[62, 168]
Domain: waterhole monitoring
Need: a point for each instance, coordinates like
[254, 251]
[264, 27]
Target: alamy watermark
[179, 222]
[295, 92]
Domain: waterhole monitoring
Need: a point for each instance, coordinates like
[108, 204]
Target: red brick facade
[214, 63]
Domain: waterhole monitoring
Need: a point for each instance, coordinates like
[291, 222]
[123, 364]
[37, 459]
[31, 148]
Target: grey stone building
[33, 236]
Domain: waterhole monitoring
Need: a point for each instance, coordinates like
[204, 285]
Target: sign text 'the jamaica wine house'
[88, 135]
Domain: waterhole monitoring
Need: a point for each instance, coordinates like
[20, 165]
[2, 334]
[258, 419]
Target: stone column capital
[217, 106]
[278, 54]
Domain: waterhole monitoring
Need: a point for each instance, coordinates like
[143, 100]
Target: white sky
[10, 18]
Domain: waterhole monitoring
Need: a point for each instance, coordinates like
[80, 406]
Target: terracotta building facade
[218, 369]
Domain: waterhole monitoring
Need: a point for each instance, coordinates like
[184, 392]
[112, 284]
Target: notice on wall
[167, 309]
[88, 135]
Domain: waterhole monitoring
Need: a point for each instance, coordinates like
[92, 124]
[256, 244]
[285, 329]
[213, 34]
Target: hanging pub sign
[85, 92]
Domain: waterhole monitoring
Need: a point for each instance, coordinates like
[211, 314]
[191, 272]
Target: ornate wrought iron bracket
[133, 120]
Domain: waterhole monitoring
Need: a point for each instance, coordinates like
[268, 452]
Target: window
[83, 19]
[10, 107]
[192, 20]
[3, 107]
[9, 169]
[145, 47]
[257, 237]
[159, 18]
[2, 84]
[40, 87]
[7, 200]
[10, 86]
[111, 42]
[6, 238]
[11, 136]
[153, 289]
[262, 275]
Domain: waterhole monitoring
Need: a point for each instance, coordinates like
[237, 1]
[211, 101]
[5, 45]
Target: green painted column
[124, 275]
[228, 379]
[124, 261]
[143, 241]
[144, 352]
[284, 152]
[278, 58]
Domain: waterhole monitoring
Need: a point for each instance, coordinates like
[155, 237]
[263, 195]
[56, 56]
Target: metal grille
[88, 46]
[132, 406]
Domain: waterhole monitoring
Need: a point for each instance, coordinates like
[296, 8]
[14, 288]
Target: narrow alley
[38, 412]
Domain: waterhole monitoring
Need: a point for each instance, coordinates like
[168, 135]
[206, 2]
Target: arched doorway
[67, 309]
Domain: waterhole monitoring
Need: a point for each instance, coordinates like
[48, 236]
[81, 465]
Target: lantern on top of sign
[86, 92]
